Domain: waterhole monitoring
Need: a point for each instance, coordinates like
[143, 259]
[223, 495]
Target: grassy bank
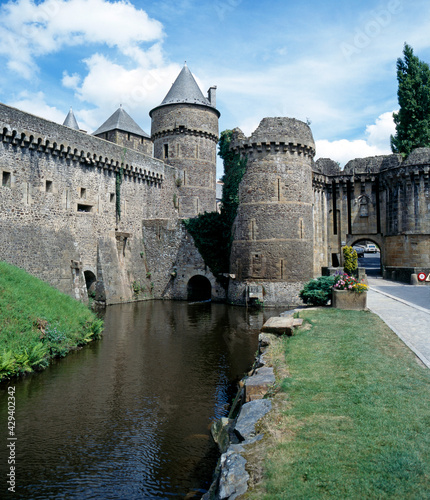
[352, 416]
[38, 323]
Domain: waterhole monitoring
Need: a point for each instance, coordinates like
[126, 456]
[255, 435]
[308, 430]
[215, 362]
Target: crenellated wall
[383, 199]
[60, 191]
[58, 201]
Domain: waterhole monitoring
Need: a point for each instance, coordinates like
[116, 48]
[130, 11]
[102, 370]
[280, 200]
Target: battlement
[372, 164]
[37, 134]
[279, 135]
[183, 130]
[419, 156]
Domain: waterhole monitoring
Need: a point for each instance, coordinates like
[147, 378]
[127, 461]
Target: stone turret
[70, 120]
[273, 239]
[121, 129]
[185, 135]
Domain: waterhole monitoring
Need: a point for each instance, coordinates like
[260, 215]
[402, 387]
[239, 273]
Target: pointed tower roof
[70, 120]
[121, 120]
[185, 90]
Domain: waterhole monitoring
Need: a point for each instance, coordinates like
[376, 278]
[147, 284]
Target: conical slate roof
[70, 120]
[184, 90]
[121, 120]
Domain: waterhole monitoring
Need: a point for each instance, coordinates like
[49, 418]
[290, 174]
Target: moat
[129, 416]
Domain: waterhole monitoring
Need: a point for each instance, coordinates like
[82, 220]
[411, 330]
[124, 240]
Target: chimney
[212, 95]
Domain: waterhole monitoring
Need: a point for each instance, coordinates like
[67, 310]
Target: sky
[331, 64]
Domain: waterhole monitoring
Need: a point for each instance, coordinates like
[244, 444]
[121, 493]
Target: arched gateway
[199, 288]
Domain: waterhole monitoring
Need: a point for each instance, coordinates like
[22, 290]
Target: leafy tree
[212, 231]
[234, 169]
[413, 119]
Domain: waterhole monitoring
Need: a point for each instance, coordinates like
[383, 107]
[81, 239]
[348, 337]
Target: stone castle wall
[383, 199]
[58, 199]
[59, 221]
[172, 255]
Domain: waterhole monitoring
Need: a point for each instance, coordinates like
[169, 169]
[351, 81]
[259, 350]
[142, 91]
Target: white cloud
[29, 30]
[36, 105]
[70, 81]
[344, 150]
[379, 133]
[376, 143]
[108, 84]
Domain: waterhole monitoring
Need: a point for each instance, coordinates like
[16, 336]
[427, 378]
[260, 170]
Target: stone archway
[371, 262]
[90, 281]
[199, 288]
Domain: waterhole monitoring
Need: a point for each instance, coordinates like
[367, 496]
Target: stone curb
[232, 436]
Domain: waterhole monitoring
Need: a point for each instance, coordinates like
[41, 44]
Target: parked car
[359, 249]
[370, 248]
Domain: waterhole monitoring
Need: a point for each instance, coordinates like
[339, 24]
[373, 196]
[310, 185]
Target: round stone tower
[272, 251]
[185, 135]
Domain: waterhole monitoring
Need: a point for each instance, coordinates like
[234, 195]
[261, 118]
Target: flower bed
[348, 293]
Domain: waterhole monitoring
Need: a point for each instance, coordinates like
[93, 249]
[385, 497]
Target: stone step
[279, 325]
[258, 384]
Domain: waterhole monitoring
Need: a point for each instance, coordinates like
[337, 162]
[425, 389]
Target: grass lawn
[351, 419]
[38, 322]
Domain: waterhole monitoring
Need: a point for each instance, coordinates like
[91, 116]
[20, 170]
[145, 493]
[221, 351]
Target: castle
[101, 214]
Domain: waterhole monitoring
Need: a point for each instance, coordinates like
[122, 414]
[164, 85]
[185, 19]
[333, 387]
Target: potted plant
[348, 293]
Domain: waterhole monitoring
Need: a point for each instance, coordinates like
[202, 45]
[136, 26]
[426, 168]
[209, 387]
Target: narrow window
[83, 193]
[279, 189]
[112, 197]
[26, 193]
[128, 136]
[84, 208]
[6, 179]
[68, 199]
[166, 151]
[48, 187]
[301, 229]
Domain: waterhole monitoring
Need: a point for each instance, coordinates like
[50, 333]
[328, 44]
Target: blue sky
[332, 63]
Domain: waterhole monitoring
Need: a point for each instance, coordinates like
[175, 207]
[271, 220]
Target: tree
[413, 119]
[234, 170]
[212, 232]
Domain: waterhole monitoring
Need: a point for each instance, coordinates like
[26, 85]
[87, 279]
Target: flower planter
[346, 299]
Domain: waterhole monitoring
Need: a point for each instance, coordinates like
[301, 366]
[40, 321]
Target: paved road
[406, 310]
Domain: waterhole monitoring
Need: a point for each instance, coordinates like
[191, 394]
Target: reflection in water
[128, 417]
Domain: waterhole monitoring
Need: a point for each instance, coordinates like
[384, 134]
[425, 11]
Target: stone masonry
[273, 234]
[102, 214]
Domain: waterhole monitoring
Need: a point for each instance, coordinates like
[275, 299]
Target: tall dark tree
[413, 119]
